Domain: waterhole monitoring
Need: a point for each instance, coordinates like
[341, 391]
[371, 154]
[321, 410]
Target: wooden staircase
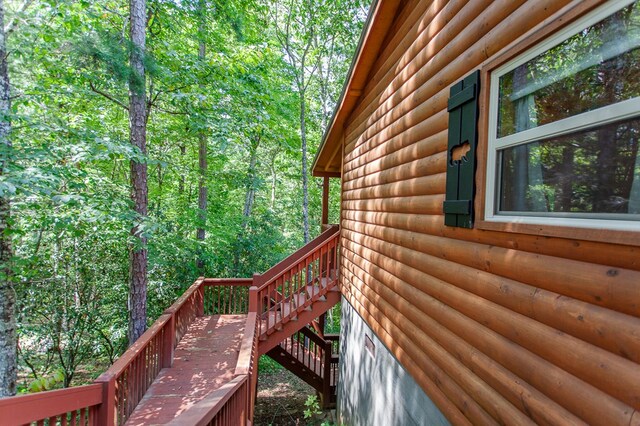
[291, 296]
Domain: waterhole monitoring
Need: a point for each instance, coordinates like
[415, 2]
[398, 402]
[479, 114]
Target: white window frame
[590, 119]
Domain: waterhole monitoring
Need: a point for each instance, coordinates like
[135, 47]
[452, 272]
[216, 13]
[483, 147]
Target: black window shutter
[463, 136]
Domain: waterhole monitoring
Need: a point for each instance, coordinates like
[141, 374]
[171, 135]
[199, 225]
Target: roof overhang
[328, 160]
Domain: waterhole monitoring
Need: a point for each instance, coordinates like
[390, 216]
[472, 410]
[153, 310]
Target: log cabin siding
[496, 327]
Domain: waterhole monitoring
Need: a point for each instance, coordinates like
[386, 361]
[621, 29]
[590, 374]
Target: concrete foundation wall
[374, 389]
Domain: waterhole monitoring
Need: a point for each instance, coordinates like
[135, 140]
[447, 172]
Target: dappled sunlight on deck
[204, 360]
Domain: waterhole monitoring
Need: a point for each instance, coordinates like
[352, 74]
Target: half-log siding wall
[496, 327]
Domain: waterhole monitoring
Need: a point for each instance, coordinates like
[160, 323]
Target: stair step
[313, 291]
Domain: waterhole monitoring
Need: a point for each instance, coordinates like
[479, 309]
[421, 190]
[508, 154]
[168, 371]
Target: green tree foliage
[68, 176]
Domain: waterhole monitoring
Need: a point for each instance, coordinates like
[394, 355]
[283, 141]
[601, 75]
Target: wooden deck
[205, 359]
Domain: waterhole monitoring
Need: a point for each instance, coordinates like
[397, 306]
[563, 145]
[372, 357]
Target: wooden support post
[200, 298]
[169, 342]
[321, 323]
[326, 379]
[107, 409]
[325, 201]
[253, 293]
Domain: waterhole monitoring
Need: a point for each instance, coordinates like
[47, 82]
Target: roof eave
[379, 20]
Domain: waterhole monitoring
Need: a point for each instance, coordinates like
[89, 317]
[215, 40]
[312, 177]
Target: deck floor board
[204, 360]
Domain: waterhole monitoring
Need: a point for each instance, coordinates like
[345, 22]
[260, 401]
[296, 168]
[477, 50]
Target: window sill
[631, 238]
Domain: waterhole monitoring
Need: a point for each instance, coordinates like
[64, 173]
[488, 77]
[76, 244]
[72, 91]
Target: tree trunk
[274, 178]
[305, 179]
[138, 138]
[202, 154]
[183, 151]
[8, 340]
[249, 198]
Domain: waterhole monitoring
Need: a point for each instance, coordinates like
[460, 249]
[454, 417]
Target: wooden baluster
[326, 380]
[300, 288]
[143, 367]
[236, 309]
[216, 300]
[294, 281]
[243, 309]
[307, 281]
[130, 389]
[312, 268]
[146, 362]
[148, 370]
[322, 263]
[268, 291]
[225, 300]
[277, 304]
[217, 294]
[291, 293]
[137, 378]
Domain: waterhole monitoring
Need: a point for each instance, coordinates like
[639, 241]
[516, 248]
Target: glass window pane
[596, 67]
[594, 171]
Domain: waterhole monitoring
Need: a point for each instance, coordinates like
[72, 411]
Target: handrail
[295, 258]
[175, 306]
[228, 281]
[63, 403]
[246, 355]
[130, 354]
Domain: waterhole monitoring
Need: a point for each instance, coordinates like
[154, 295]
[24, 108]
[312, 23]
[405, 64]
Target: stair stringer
[304, 318]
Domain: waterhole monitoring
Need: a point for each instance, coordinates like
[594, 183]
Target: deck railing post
[325, 201]
[253, 293]
[326, 379]
[107, 409]
[200, 298]
[169, 342]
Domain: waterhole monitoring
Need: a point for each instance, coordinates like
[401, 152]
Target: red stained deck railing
[226, 296]
[290, 287]
[71, 406]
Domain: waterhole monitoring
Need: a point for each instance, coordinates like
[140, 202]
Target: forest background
[237, 96]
